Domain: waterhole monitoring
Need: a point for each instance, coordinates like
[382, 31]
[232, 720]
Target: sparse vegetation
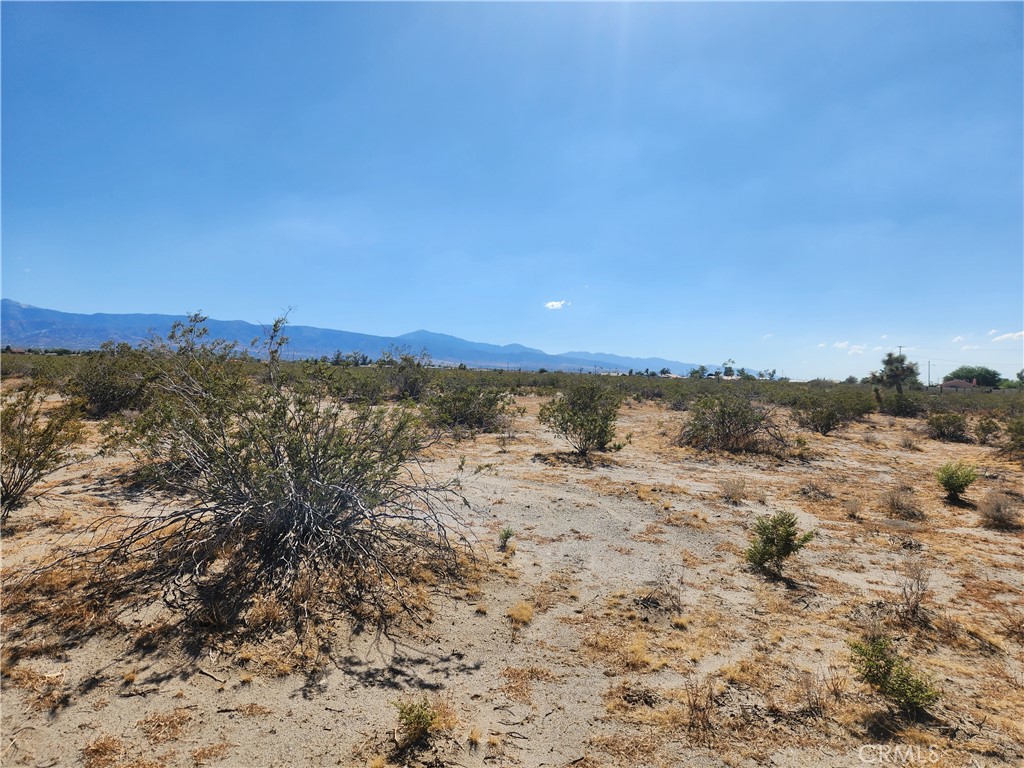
[824, 412]
[899, 502]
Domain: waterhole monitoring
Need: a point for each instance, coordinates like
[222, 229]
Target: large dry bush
[274, 491]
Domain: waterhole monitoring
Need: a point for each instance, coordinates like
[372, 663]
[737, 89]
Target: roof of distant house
[957, 384]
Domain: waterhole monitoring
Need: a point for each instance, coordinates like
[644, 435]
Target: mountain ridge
[24, 325]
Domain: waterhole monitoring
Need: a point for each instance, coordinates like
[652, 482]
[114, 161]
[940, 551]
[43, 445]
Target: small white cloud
[822, 345]
[857, 349]
[841, 344]
[969, 346]
[993, 332]
[767, 335]
[556, 304]
[876, 349]
[1010, 336]
[958, 339]
[884, 336]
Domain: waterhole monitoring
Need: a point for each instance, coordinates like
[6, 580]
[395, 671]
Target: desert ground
[620, 626]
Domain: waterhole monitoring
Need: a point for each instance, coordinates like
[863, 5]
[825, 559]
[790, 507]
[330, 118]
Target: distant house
[956, 385]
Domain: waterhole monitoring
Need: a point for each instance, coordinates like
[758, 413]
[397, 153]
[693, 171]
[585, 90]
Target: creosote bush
[832, 409]
[275, 491]
[458, 406]
[584, 414]
[951, 427]
[955, 478]
[730, 421]
[110, 381]
[774, 540]
[33, 444]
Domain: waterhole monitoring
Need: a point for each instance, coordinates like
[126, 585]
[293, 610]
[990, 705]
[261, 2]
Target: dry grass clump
[105, 751]
[161, 727]
[520, 614]
[210, 753]
[915, 578]
[734, 489]
[46, 692]
[519, 681]
[998, 511]
[899, 502]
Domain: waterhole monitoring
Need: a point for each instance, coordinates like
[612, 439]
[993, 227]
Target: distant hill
[27, 326]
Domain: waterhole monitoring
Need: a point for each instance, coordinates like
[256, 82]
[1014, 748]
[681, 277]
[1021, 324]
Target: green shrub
[460, 406]
[34, 443]
[730, 421]
[1014, 445]
[951, 427]
[584, 414]
[111, 380]
[415, 718]
[986, 429]
[774, 540]
[880, 666]
[826, 411]
[291, 497]
[902, 405]
[955, 478]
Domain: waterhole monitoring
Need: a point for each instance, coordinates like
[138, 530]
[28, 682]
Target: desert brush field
[601, 609]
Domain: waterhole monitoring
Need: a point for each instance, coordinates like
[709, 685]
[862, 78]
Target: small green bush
[880, 666]
[584, 414]
[951, 427]
[415, 719]
[33, 444]
[730, 421]
[775, 539]
[956, 477]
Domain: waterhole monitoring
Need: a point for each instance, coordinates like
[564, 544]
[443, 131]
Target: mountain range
[22, 325]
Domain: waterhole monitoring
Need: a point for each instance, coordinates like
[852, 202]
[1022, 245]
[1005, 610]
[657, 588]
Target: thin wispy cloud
[1010, 336]
[969, 346]
[993, 332]
[857, 349]
[822, 345]
[841, 344]
[557, 304]
[876, 349]
[958, 339]
[884, 336]
[767, 335]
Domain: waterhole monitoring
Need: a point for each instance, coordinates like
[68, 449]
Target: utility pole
[900, 348]
[929, 373]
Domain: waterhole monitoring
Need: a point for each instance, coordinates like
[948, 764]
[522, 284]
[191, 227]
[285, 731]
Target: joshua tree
[896, 372]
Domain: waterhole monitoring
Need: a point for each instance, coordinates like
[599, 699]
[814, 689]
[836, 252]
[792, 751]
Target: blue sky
[797, 186]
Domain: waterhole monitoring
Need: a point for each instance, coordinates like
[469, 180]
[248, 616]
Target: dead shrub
[899, 502]
[998, 511]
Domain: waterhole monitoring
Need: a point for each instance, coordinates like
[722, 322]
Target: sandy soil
[641, 638]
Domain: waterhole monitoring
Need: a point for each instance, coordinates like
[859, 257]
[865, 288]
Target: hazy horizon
[794, 186]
